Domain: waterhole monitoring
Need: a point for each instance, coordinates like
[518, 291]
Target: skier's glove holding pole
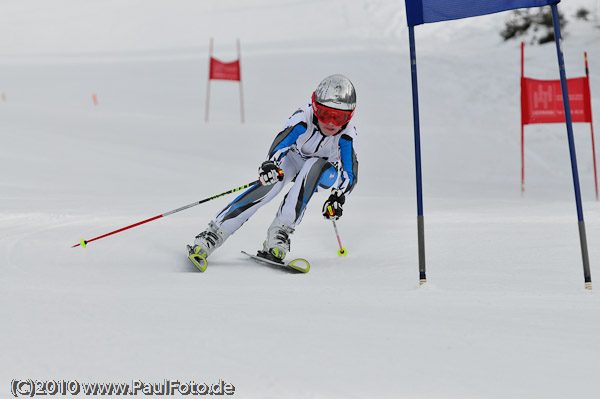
[269, 173]
[332, 209]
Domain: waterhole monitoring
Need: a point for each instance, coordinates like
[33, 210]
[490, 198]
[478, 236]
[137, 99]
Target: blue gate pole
[417, 129]
[565, 93]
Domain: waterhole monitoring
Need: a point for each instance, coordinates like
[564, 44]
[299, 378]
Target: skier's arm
[296, 126]
[284, 140]
[349, 169]
[333, 207]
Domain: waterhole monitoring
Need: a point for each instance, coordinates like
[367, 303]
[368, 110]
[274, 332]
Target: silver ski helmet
[334, 100]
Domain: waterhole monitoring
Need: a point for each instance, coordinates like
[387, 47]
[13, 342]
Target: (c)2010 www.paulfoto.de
[30, 387]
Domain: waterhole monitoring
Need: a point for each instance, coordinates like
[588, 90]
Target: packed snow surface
[504, 313]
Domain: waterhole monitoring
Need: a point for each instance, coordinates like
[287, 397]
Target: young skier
[316, 147]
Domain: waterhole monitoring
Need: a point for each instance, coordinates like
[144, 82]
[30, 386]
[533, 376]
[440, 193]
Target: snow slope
[504, 313]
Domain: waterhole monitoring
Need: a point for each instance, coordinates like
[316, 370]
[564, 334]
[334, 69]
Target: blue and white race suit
[309, 159]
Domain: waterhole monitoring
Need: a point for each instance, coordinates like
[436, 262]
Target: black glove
[269, 173]
[332, 208]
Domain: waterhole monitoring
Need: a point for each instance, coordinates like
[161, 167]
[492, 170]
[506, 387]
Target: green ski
[198, 260]
[298, 265]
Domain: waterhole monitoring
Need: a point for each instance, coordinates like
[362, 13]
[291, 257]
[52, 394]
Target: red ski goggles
[326, 114]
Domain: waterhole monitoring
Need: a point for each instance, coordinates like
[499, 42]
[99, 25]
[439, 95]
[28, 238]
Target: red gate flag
[542, 101]
[224, 70]
[219, 70]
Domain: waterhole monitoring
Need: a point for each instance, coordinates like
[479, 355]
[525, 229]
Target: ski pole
[83, 242]
[342, 251]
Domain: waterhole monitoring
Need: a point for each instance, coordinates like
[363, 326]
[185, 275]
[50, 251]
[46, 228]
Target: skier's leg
[316, 174]
[234, 215]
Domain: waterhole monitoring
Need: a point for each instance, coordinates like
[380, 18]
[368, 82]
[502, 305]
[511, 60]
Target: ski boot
[277, 244]
[205, 244]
